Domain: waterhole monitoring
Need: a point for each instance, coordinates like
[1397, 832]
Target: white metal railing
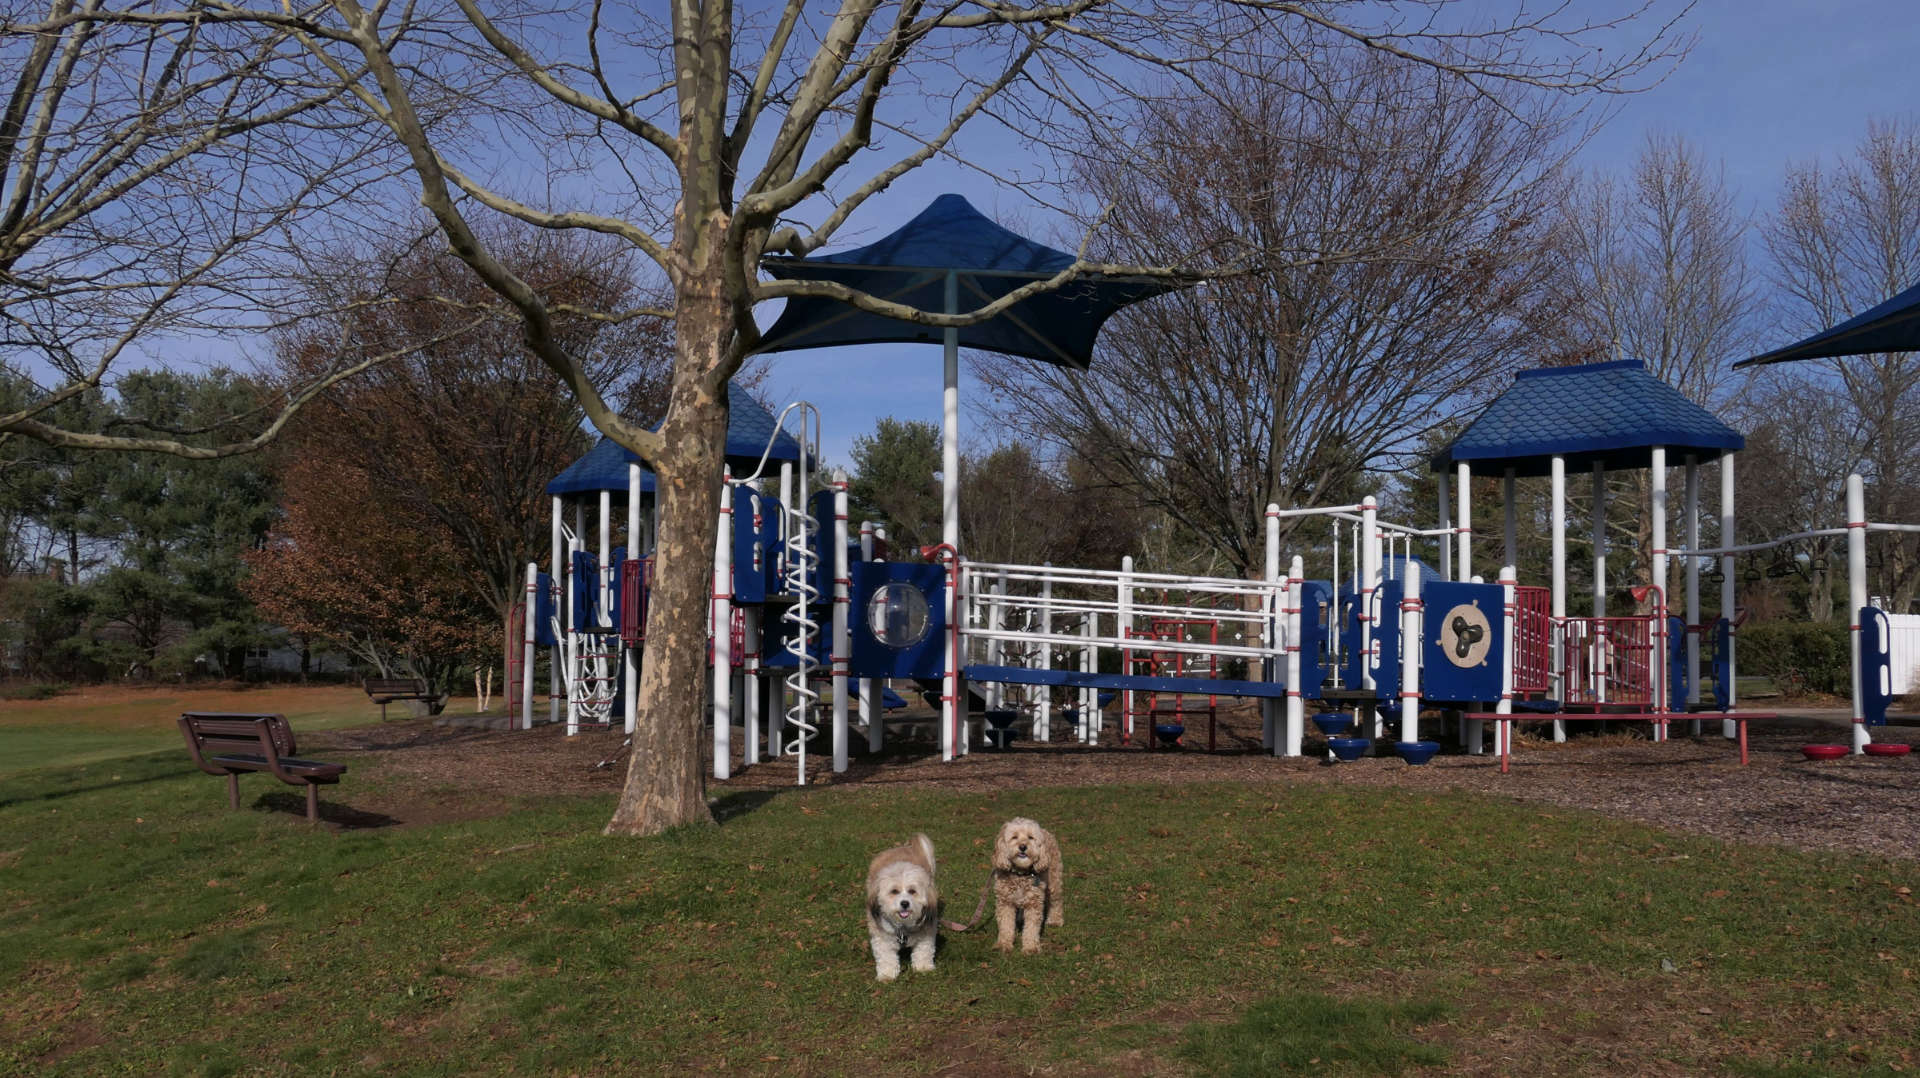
[1092, 608]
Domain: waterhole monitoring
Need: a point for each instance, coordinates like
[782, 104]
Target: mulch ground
[1865, 804]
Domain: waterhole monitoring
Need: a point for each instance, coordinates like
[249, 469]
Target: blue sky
[1769, 83]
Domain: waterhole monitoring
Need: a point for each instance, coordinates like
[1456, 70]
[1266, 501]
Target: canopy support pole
[1559, 649]
[950, 702]
[1728, 726]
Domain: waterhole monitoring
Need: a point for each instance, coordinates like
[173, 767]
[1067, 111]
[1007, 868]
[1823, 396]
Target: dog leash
[978, 911]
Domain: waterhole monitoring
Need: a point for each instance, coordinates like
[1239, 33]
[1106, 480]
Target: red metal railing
[1532, 639]
[1609, 661]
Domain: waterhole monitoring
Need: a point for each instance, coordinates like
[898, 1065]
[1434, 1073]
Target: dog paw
[1056, 921]
[1030, 948]
[883, 976]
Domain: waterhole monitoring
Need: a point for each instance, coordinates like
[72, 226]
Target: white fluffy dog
[903, 907]
[1027, 878]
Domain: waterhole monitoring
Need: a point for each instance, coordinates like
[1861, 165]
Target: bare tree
[1655, 270]
[706, 137]
[160, 169]
[1843, 239]
[1412, 207]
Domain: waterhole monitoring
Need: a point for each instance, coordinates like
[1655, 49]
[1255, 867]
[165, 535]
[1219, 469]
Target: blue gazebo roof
[1614, 414]
[749, 426]
[911, 266]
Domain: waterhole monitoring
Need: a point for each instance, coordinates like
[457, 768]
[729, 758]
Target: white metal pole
[842, 643]
[872, 714]
[996, 693]
[1728, 728]
[556, 582]
[1089, 696]
[1410, 639]
[1296, 703]
[529, 629]
[1124, 630]
[1465, 528]
[630, 656]
[1659, 634]
[1269, 707]
[605, 564]
[1509, 598]
[1857, 600]
[1371, 614]
[1692, 496]
[777, 697]
[1599, 539]
[721, 612]
[752, 642]
[950, 425]
[953, 708]
[1509, 491]
[1558, 480]
[1446, 525]
[576, 666]
[1043, 705]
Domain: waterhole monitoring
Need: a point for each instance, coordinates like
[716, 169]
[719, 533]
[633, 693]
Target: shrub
[1820, 653]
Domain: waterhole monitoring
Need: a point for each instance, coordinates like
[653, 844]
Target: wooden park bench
[387, 690]
[227, 744]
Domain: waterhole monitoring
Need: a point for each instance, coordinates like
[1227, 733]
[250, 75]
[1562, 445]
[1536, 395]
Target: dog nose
[1023, 847]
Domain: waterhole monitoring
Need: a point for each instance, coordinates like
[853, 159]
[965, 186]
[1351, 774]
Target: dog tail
[925, 845]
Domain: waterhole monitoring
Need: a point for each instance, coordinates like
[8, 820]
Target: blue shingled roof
[749, 425]
[1610, 413]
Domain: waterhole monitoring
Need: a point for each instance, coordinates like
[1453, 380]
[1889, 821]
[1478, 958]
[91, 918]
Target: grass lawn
[1227, 929]
[107, 722]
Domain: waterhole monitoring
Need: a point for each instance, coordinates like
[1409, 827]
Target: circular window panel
[897, 615]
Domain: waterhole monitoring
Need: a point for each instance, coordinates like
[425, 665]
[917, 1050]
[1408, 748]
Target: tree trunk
[664, 771]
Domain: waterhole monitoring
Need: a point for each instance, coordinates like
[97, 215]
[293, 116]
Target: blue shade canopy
[911, 267]
[749, 425]
[1613, 414]
[1893, 326]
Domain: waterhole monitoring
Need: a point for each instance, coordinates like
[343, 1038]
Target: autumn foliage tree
[441, 456]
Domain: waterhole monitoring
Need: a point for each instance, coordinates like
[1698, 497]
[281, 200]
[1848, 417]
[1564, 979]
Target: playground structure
[805, 623]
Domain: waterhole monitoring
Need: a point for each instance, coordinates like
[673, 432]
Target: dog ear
[1002, 852]
[1041, 851]
[873, 909]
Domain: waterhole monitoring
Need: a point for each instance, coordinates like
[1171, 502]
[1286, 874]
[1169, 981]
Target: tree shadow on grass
[735, 804]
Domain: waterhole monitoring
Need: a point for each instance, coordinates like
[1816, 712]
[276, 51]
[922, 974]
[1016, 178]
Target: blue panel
[1076, 679]
[820, 508]
[1386, 659]
[749, 555]
[1316, 617]
[1678, 684]
[619, 555]
[586, 592]
[1876, 665]
[926, 658]
[1441, 677]
[1723, 664]
[543, 597]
